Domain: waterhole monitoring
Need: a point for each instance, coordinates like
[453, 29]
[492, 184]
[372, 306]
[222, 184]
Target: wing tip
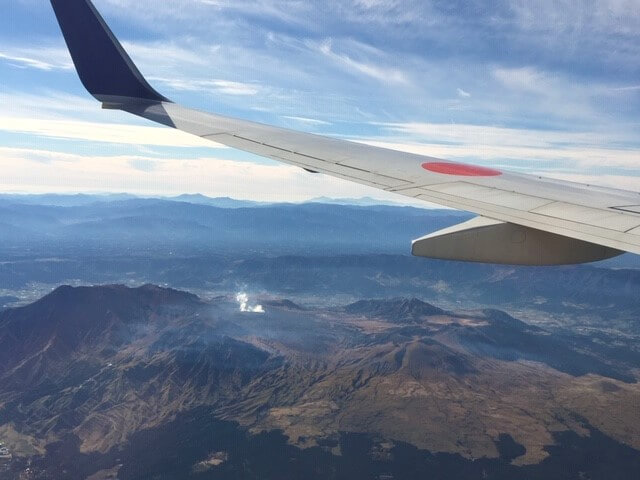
[104, 67]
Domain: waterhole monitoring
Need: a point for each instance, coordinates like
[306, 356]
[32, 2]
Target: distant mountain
[52, 224]
[64, 200]
[120, 222]
[80, 199]
[95, 378]
[397, 310]
[220, 202]
[190, 222]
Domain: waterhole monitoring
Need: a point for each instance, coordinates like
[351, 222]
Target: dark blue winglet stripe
[104, 67]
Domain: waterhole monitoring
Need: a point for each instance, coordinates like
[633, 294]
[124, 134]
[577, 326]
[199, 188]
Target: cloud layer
[548, 87]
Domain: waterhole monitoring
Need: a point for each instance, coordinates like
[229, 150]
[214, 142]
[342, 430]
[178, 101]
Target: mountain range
[301, 341]
[195, 223]
[155, 382]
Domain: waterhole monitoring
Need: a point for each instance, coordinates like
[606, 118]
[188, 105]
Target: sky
[550, 87]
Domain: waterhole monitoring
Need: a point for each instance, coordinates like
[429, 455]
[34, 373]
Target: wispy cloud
[524, 159]
[504, 136]
[112, 133]
[574, 36]
[46, 103]
[606, 16]
[526, 79]
[222, 86]
[146, 53]
[379, 72]
[523, 149]
[210, 12]
[630, 88]
[308, 121]
[45, 58]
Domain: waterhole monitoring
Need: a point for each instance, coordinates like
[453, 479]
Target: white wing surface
[525, 219]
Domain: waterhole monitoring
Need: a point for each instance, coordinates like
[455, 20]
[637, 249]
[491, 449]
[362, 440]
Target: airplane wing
[522, 219]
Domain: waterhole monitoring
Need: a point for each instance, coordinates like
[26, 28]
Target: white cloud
[567, 16]
[235, 88]
[308, 121]
[31, 171]
[527, 79]
[102, 132]
[490, 135]
[207, 12]
[48, 103]
[521, 147]
[630, 88]
[146, 54]
[44, 58]
[379, 72]
[523, 158]
[222, 86]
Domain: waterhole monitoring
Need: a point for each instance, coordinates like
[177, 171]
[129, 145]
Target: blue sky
[551, 87]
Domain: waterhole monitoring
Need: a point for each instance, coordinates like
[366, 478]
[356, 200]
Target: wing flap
[488, 195]
[610, 219]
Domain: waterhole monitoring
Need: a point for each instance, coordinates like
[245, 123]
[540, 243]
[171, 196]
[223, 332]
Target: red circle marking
[460, 169]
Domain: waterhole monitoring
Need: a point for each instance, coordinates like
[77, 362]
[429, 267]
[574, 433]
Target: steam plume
[243, 300]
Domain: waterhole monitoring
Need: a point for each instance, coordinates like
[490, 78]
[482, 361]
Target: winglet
[104, 67]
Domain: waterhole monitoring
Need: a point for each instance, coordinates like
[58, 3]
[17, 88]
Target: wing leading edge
[524, 219]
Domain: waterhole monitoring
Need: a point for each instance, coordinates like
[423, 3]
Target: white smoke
[243, 300]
